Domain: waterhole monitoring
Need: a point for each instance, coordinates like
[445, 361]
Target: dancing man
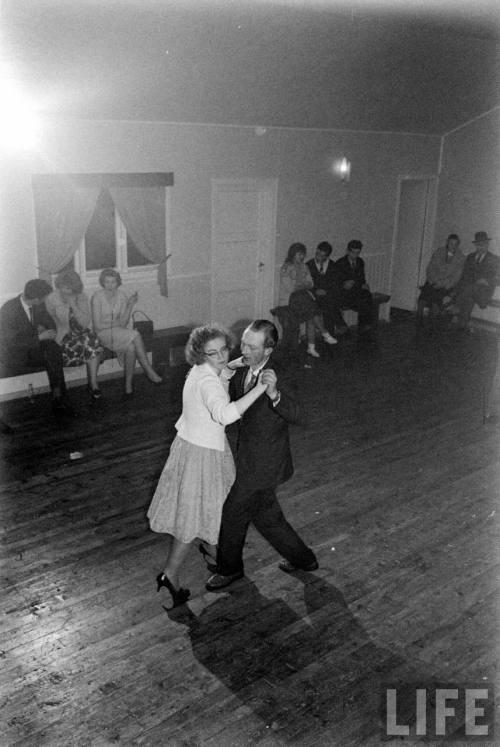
[263, 461]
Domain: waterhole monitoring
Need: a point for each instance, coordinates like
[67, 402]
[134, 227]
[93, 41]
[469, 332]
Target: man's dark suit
[356, 298]
[20, 348]
[263, 461]
[468, 291]
[330, 304]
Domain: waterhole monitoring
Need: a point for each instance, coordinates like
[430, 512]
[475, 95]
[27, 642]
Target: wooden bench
[488, 318]
[167, 349]
[378, 300]
[282, 316]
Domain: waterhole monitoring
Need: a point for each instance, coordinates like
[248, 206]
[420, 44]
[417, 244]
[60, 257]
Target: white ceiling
[417, 66]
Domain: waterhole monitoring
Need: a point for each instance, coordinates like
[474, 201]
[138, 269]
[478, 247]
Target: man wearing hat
[480, 275]
[355, 291]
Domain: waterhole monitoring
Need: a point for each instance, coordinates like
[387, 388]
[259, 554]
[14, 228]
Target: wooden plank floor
[396, 488]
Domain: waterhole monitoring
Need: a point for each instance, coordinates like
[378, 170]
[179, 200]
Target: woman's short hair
[70, 279]
[109, 272]
[295, 249]
[195, 347]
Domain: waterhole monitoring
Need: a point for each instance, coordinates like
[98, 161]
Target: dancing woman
[200, 470]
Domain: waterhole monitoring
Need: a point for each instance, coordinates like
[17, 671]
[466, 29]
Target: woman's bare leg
[176, 556]
[129, 368]
[318, 324]
[92, 368]
[143, 359]
[310, 331]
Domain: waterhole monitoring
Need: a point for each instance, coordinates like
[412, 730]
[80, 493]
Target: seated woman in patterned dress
[200, 469]
[111, 310]
[68, 305]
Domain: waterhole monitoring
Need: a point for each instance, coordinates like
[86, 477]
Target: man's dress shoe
[287, 567]
[218, 581]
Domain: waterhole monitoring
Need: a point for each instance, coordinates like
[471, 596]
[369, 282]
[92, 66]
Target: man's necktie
[250, 383]
[322, 269]
[32, 317]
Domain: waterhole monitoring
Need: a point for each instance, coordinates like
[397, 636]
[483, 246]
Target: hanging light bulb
[345, 169]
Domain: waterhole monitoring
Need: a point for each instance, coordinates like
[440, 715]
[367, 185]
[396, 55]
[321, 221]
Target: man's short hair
[325, 247]
[354, 244]
[269, 330]
[36, 289]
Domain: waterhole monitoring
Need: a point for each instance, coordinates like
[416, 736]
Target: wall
[469, 184]
[312, 203]
[469, 190]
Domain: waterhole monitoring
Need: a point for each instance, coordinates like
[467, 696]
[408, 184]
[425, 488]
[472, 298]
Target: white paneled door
[412, 239]
[243, 249]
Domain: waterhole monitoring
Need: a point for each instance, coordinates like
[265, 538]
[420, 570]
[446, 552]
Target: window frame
[139, 273]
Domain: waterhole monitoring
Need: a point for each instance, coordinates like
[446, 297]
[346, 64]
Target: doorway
[243, 249]
[412, 242]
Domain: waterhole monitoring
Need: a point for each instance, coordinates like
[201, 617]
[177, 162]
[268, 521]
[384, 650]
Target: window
[78, 220]
[106, 243]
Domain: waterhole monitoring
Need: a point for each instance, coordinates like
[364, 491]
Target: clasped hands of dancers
[203, 493]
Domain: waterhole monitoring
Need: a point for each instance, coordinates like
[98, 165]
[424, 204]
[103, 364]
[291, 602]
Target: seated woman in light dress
[111, 310]
[200, 469]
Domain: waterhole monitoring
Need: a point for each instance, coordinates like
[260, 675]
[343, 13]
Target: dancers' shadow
[298, 671]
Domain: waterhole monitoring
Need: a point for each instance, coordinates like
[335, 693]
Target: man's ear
[268, 351]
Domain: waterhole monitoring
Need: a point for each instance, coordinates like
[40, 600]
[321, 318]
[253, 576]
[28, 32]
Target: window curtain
[142, 210]
[63, 212]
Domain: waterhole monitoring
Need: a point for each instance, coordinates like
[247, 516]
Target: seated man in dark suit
[327, 288]
[355, 291]
[27, 340]
[479, 277]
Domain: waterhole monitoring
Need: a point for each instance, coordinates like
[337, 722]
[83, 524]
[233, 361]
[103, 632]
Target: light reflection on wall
[19, 124]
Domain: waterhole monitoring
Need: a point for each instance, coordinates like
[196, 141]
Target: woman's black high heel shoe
[179, 596]
[212, 567]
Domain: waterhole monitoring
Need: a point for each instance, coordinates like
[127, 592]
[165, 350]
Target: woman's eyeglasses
[214, 354]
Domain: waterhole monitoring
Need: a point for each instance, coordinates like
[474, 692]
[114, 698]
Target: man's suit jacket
[17, 335]
[346, 272]
[488, 269]
[327, 281]
[263, 456]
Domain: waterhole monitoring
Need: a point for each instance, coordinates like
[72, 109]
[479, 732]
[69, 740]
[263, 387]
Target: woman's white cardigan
[206, 408]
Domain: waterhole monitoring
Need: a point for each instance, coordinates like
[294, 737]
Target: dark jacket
[263, 457]
[346, 272]
[327, 281]
[488, 269]
[17, 335]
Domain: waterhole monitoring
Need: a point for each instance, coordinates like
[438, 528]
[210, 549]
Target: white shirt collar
[255, 372]
[25, 307]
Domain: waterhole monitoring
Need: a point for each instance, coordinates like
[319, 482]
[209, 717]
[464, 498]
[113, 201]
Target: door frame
[268, 201]
[428, 227]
